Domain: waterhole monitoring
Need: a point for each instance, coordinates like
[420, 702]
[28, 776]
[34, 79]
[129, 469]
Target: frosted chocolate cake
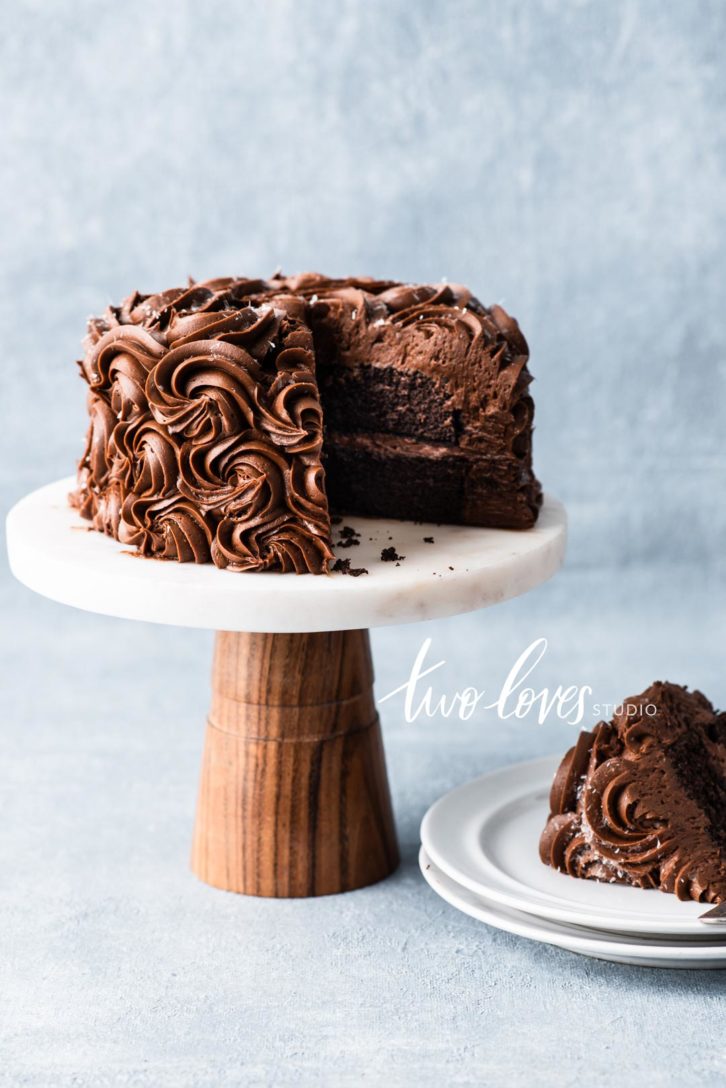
[641, 800]
[230, 419]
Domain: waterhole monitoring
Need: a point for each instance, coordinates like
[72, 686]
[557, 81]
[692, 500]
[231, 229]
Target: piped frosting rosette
[599, 820]
[205, 432]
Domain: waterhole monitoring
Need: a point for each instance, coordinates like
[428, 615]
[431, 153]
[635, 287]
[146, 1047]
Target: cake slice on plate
[641, 800]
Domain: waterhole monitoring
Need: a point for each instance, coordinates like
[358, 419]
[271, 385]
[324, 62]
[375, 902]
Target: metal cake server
[715, 916]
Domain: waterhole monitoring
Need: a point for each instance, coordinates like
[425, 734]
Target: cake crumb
[348, 537]
[428, 540]
[343, 567]
[390, 555]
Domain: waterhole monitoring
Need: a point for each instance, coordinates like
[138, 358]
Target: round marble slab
[53, 551]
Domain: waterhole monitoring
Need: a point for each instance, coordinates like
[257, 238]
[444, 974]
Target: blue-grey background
[566, 159]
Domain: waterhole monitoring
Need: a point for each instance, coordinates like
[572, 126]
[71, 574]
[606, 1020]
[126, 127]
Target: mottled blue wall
[564, 158]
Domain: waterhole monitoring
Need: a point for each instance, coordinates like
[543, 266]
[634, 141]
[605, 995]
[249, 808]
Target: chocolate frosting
[205, 422]
[641, 800]
[205, 430]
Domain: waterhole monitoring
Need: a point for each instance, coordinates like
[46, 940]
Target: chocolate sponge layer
[395, 477]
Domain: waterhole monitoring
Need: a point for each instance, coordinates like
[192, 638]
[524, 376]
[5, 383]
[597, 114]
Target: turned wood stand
[294, 798]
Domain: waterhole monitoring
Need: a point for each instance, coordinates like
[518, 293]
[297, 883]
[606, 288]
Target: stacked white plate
[480, 853]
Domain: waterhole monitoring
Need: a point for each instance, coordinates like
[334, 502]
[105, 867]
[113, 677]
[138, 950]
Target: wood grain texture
[294, 797]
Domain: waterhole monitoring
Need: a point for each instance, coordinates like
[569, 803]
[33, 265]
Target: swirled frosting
[641, 800]
[205, 432]
[205, 438]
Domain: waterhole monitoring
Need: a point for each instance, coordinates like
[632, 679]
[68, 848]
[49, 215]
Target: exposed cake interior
[229, 418]
[426, 404]
[641, 800]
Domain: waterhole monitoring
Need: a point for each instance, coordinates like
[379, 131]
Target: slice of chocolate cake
[207, 404]
[641, 800]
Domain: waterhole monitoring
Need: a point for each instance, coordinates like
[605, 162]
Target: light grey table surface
[119, 968]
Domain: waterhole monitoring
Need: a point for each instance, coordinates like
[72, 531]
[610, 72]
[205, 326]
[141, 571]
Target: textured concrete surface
[119, 968]
[566, 159]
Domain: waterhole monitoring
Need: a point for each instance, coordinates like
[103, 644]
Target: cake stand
[294, 798]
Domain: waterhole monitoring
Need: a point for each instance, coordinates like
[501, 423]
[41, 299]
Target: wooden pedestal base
[294, 797]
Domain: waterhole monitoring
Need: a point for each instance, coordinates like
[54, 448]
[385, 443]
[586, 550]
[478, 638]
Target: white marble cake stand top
[52, 552]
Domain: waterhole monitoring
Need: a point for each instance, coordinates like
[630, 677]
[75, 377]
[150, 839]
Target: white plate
[485, 837]
[641, 951]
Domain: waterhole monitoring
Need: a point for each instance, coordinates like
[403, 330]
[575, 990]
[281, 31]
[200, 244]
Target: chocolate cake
[641, 800]
[228, 419]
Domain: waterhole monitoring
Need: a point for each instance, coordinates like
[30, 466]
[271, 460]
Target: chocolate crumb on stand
[342, 566]
[390, 555]
[349, 537]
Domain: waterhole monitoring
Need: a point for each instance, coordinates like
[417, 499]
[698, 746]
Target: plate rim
[594, 943]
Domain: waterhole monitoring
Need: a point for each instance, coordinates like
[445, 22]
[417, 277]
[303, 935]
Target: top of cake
[641, 800]
[437, 331]
[208, 402]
